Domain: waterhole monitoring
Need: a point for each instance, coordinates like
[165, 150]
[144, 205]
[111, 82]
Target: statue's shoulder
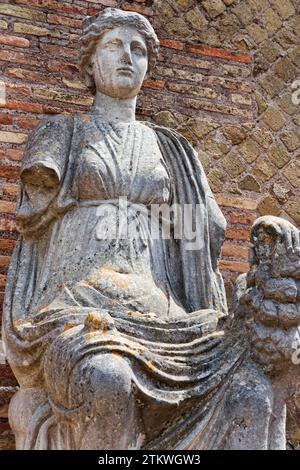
[55, 120]
[51, 130]
[58, 118]
[168, 132]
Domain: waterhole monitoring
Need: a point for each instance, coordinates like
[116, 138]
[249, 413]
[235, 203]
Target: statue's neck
[113, 109]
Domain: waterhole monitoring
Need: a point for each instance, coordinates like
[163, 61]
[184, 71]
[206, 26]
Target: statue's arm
[44, 157]
[43, 166]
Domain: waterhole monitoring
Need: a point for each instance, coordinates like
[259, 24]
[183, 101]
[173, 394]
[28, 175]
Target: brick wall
[223, 79]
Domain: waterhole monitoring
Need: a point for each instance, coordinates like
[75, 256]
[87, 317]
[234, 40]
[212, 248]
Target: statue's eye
[137, 49]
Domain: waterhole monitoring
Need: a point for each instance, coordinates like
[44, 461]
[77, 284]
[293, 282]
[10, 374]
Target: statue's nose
[126, 58]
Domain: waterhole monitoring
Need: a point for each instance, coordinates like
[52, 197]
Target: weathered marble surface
[124, 342]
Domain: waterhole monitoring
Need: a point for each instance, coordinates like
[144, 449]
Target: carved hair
[95, 26]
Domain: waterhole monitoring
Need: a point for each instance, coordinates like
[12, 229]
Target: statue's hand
[271, 299]
[279, 227]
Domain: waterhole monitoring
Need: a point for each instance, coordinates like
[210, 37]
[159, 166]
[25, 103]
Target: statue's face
[120, 62]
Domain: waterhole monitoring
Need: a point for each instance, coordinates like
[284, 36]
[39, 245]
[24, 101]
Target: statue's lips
[125, 70]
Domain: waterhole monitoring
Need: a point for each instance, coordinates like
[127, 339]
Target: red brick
[8, 225]
[219, 53]
[139, 9]
[11, 189]
[53, 5]
[63, 51]
[170, 44]
[27, 122]
[2, 280]
[7, 244]
[238, 234]
[231, 250]
[62, 67]
[14, 154]
[14, 41]
[7, 207]
[234, 266]
[65, 21]
[242, 218]
[4, 260]
[19, 57]
[14, 89]
[6, 119]
[93, 11]
[30, 75]
[12, 172]
[48, 109]
[24, 106]
[155, 84]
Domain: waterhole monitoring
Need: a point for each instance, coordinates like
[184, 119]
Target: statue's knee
[250, 394]
[103, 379]
[110, 377]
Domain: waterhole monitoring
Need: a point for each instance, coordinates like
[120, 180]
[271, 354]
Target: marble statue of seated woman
[115, 315]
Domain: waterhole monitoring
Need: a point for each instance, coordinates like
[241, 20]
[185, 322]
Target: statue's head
[119, 49]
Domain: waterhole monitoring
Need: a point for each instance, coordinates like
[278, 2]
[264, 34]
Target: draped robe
[179, 357]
